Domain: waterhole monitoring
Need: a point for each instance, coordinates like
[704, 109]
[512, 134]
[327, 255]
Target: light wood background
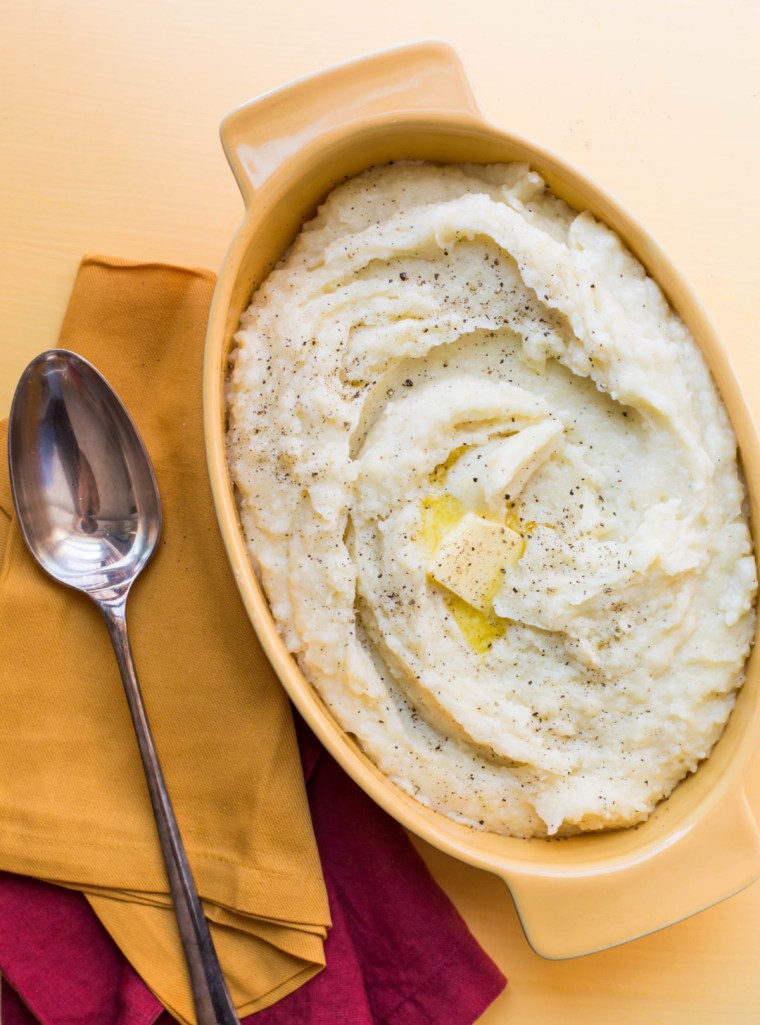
[109, 118]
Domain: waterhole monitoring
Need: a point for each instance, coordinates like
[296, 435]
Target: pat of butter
[472, 558]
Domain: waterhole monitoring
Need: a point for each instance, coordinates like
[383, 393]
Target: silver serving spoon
[88, 507]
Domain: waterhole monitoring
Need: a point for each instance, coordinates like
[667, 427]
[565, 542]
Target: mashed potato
[492, 495]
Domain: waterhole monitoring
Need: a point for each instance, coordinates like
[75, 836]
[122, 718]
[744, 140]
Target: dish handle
[709, 860]
[262, 135]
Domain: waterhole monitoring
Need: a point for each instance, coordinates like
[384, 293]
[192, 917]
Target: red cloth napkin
[398, 953]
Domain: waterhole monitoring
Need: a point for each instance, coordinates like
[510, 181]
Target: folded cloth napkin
[74, 807]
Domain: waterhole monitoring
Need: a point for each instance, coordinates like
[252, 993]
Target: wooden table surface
[109, 118]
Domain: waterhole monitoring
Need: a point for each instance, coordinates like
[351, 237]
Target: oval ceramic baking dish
[287, 150]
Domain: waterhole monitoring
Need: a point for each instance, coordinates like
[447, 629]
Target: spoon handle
[213, 1004]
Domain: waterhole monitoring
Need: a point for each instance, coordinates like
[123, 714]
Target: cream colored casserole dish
[288, 149]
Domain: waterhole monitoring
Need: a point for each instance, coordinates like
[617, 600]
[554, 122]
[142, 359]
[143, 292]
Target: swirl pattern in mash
[492, 495]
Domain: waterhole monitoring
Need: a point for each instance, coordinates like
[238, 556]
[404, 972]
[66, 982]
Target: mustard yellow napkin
[74, 808]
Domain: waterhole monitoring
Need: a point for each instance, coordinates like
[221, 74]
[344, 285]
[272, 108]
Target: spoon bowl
[85, 491]
[89, 510]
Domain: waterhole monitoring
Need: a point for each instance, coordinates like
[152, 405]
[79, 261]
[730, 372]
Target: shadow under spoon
[90, 513]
